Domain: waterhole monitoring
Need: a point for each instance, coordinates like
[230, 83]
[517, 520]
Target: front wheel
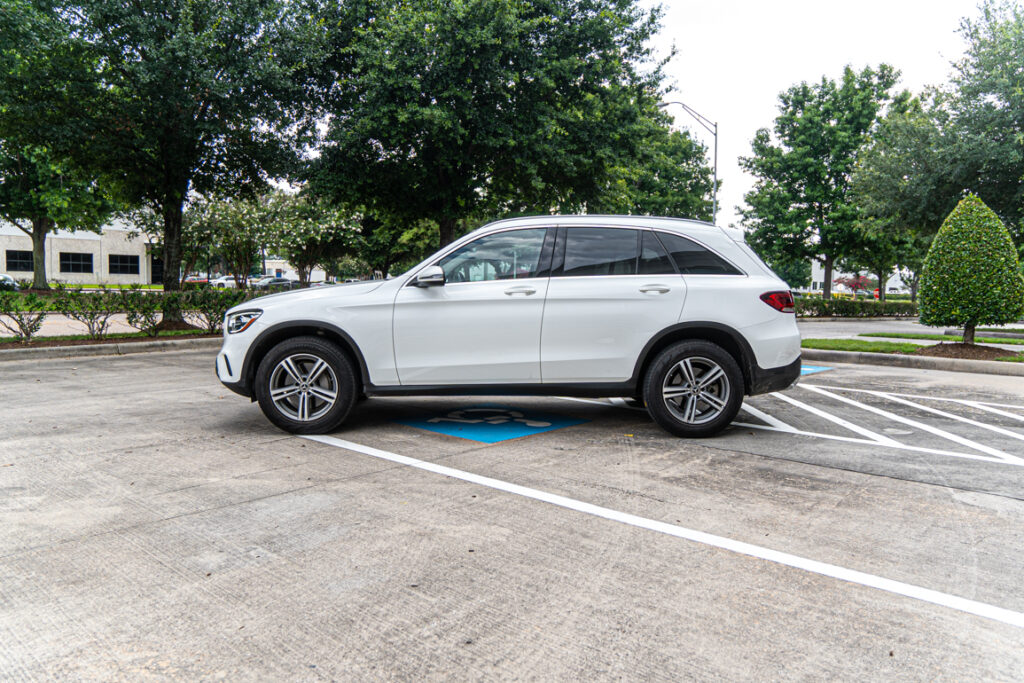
[306, 385]
[693, 389]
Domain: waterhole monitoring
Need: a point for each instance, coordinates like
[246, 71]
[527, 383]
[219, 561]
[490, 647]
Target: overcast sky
[735, 57]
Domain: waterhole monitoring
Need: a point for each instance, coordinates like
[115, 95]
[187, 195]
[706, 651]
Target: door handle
[655, 289]
[521, 289]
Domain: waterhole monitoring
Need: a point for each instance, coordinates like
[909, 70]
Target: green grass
[858, 345]
[1014, 330]
[1019, 358]
[941, 337]
[115, 335]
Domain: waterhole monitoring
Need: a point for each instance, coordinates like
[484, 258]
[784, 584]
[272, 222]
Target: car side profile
[678, 314]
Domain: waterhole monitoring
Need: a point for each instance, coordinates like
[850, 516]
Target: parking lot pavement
[866, 523]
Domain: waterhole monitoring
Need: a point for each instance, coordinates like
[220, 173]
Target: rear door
[611, 290]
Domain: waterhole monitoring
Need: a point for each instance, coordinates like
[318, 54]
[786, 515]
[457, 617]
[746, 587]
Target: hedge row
[22, 314]
[816, 307]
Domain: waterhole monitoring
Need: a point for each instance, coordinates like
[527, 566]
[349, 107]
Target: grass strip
[859, 345]
[115, 335]
[942, 337]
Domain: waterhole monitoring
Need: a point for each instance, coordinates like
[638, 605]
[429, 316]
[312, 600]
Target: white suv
[678, 314]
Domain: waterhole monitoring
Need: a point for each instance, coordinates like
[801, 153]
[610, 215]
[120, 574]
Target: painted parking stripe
[769, 419]
[988, 407]
[928, 398]
[955, 602]
[1006, 457]
[863, 431]
[951, 416]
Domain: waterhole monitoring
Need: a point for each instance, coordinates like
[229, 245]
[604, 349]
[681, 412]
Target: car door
[611, 290]
[482, 326]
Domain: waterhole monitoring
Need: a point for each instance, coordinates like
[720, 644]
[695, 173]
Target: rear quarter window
[693, 259]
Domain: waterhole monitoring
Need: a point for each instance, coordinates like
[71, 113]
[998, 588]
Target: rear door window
[693, 259]
[654, 259]
[600, 251]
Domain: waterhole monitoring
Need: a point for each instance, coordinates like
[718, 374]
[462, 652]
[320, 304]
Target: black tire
[695, 411]
[282, 389]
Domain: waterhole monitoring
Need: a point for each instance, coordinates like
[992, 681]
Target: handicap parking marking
[811, 369]
[491, 423]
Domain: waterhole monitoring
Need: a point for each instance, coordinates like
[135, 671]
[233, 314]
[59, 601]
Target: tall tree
[308, 233]
[453, 106]
[986, 111]
[39, 193]
[800, 204]
[185, 96]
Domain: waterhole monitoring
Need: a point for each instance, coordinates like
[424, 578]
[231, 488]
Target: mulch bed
[85, 342]
[965, 351]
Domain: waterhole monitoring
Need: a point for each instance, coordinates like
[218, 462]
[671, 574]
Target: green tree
[239, 230]
[39, 193]
[972, 274]
[801, 203]
[308, 233]
[184, 96]
[453, 108]
[384, 244]
[986, 111]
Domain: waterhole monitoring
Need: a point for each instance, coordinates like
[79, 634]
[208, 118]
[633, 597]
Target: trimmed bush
[206, 307]
[92, 309]
[972, 273]
[142, 309]
[21, 315]
[817, 307]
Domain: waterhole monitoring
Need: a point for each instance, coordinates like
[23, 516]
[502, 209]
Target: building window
[19, 261]
[123, 264]
[71, 262]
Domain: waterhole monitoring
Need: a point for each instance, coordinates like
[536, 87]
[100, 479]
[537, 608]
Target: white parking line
[929, 398]
[988, 407]
[863, 431]
[773, 421]
[951, 416]
[1006, 457]
[955, 602]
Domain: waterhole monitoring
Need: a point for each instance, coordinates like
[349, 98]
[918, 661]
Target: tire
[293, 403]
[693, 410]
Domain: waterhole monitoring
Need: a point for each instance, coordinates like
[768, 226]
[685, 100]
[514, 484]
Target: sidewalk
[57, 325]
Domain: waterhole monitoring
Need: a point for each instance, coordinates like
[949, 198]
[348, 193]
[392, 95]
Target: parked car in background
[681, 315]
[224, 282]
[197, 281]
[8, 284]
[271, 282]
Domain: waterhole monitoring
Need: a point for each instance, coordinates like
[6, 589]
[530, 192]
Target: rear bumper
[763, 381]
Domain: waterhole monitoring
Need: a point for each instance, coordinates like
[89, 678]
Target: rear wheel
[306, 385]
[693, 389]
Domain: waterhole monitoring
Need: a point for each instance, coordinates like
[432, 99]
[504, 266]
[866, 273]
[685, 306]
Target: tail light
[780, 301]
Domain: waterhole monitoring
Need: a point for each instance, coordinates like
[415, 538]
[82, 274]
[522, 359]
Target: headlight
[239, 322]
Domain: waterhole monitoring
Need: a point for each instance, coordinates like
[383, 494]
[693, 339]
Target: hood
[331, 292]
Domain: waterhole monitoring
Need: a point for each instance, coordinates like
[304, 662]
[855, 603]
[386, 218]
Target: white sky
[735, 57]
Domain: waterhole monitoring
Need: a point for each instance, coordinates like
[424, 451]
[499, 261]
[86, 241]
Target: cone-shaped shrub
[971, 275]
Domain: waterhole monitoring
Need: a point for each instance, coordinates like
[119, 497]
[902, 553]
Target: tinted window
[123, 264]
[509, 255]
[75, 263]
[19, 261]
[693, 259]
[600, 251]
[653, 257]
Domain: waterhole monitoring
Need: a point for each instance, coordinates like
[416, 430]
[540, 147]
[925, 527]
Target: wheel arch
[721, 335]
[276, 334]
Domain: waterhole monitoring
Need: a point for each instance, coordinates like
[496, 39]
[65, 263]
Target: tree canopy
[800, 206]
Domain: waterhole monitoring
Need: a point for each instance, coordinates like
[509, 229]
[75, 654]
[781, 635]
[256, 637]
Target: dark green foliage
[206, 307]
[972, 273]
[446, 109]
[817, 307]
[92, 309]
[22, 314]
[800, 206]
[142, 309]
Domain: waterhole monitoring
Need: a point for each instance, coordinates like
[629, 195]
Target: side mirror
[431, 276]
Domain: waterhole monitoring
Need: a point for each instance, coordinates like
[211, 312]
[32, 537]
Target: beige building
[117, 256]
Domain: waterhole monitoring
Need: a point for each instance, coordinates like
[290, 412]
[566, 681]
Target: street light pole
[711, 127]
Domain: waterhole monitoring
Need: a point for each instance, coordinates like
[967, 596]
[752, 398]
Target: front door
[483, 325]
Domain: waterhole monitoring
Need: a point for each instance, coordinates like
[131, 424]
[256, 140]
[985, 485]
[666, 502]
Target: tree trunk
[172, 214]
[827, 285]
[914, 282]
[969, 333]
[882, 281]
[446, 227]
[40, 228]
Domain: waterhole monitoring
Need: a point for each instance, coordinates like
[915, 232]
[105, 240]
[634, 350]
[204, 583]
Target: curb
[987, 367]
[110, 349]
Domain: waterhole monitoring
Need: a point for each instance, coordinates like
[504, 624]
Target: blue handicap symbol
[490, 423]
[811, 369]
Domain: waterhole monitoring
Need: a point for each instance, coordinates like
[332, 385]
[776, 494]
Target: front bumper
[767, 380]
